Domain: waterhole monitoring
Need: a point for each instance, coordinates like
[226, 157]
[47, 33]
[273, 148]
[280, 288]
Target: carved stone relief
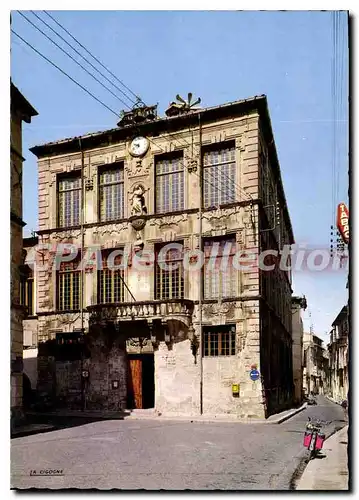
[107, 158]
[110, 229]
[66, 235]
[170, 221]
[220, 309]
[137, 168]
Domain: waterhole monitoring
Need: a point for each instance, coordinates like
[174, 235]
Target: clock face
[139, 146]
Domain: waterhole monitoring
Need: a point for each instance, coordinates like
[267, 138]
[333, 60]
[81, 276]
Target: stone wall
[177, 377]
[297, 349]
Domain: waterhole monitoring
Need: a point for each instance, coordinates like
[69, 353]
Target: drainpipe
[82, 216]
[201, 268]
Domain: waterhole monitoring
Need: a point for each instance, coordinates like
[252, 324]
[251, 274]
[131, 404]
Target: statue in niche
[138, 206]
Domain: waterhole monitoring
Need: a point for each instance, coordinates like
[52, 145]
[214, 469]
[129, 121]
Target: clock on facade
[139, 146]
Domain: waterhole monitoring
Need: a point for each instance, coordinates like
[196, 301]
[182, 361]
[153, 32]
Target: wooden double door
[140, 381]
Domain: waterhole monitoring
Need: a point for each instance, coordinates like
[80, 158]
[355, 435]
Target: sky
[220, 57]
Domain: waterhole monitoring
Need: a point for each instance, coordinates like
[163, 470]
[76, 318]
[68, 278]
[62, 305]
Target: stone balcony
[164, 310]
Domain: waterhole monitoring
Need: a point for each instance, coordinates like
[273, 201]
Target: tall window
[69, 196]
[219, 340]
[169, 282]
[219, 175]
[27, 297]
[219, 274]
[68, 286]
[111, 193]
[110, 281]
[169, 183]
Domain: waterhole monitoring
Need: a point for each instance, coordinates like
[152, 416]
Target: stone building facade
[298, 304]
[20, 111]
[315, 365]
[182, 341]
[338, 349]
[28, 299]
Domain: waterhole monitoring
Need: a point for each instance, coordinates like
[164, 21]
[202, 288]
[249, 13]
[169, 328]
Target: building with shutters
[339, 357]
[151, 327]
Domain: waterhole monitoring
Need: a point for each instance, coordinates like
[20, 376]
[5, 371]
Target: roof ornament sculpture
[182, 106]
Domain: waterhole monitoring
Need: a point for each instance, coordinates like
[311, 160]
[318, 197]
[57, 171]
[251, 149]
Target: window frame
[103, 169]
[75, 175]
[26, 284]
[114, 273]
[160, 274]
[73, 272]
[175, 155]
[232, 271]
[209, 336]
[219, 147]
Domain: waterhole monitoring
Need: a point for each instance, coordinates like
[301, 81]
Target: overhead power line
[85, 59]
[64, 73]
[94, 57]
[70, 56]
[238, 188]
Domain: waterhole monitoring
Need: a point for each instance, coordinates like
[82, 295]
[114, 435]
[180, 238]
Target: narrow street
[158, 454]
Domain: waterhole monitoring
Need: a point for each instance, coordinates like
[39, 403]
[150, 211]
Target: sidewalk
[331, 471]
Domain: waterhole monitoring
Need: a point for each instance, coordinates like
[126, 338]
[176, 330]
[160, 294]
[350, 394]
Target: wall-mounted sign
[254, 375]
[235, 389]
[115, 384]
[343, 221]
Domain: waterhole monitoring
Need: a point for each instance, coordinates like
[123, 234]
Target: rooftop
[169, 124]
[20, 103]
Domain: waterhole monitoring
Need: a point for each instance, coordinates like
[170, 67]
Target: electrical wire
[138, 99]
[85, 59]
[216, 178]
[70, 56]
[238, 188]
[64, 73]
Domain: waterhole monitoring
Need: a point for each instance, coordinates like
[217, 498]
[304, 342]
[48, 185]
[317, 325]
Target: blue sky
[221, 57]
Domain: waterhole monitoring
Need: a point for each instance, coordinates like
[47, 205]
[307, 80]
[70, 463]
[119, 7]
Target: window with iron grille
[169, 183]
[69, 346]
[69, 198]
[220, 276]
[219, 340]
[110, 282]
[169, 280]
[111, 193]
[27, 297]
[68, 286]
[219, 175]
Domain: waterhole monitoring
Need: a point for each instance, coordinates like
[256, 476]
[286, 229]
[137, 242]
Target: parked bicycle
[313, 437]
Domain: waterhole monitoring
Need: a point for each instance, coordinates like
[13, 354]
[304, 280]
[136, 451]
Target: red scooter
[313, 438]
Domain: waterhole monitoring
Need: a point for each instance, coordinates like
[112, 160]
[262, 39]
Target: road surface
[171, 455]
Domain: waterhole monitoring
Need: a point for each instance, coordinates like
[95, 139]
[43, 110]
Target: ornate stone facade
[151, 326]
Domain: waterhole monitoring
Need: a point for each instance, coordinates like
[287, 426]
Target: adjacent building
[298, 304]
[339, 357]
[315, 365]
[161, 331]
[20, 111]
[28, 300]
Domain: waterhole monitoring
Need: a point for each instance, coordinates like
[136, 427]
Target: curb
[193, 419]
[297, 476]
[289, 415]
